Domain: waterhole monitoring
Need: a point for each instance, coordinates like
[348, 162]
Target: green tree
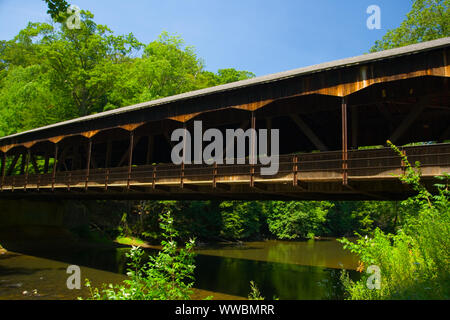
[428, 20]
[56, 8]
[297, 219]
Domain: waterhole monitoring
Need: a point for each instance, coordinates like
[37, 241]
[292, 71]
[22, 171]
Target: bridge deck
[303, 176]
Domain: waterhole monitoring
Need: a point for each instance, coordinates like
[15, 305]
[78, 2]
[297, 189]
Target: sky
[261, 36]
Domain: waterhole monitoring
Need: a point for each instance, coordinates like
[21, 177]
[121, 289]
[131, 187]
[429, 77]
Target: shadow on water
[275, 280]
[285, 270]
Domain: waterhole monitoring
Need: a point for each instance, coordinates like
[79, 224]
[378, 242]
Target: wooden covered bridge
[326, 115]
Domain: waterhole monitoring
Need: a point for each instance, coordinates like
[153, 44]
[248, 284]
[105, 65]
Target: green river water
[307, 270]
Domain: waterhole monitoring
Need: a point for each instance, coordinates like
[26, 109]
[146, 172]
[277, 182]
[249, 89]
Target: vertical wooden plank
[150, 146]
[252, 150]
[108, 154]
[23, 163]
[47, 159]
[55, 163]
[215, 175]
[295, 170]
[88, 165]
[130, 158]
[344, 142]
[27, 166]
[3, 170]
[355, 126]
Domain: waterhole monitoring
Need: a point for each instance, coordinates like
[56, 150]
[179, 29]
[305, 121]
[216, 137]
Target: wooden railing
[312, 167]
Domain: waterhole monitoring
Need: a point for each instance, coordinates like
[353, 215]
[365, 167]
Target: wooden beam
[34, 163]
[108, 153]
[23, 163]
[46, 164]
[308, 132]
[344, 142]
[13, 164]
[150, 147]
[88, 164]
[55, 164]
[130, 158]
[244, 125]
[407, 122]
[445, 135]
[27, 166]
[127, 153]
[2, 172]
[355, 127]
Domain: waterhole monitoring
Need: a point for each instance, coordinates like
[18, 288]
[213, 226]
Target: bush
[414, 262]
[168, 276]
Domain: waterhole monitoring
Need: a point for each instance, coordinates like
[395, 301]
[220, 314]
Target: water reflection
[286, 270]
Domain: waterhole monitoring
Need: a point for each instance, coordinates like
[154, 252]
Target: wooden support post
[308, 132]
[150, 144]
[182, 175]
[108, 153]
[27, 166]
[35, 165]
[184, 156]
[252, 150]
[88, 165]
[13, 164]
[3, 170]
[344, 142]
[269, 130]
[230, 144]
[23, 163]
[47, 159]
[106, 178]
[130, 158]
[215, 175]
[355, 127]
[295, 170]
[408, 122]
[154, 178]
[55, 163]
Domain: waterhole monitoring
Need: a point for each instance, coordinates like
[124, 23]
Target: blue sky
[262, 36]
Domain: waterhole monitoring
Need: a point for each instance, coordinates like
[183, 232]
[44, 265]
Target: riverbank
[28, 277]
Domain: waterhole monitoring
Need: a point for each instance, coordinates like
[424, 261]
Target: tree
[56, 8]
[297, 219]
[428, 20]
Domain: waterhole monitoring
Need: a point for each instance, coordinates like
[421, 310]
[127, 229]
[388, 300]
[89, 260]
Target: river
[302, 270]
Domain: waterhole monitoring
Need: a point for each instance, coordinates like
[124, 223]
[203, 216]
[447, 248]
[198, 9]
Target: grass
[131, 241]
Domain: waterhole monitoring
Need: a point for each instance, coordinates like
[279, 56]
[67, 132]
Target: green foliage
[56, 8]
[297, 220]
[241, 219]
[414, 262]
[168, 276]
[428, 20]
[254, 292]
[50, 73]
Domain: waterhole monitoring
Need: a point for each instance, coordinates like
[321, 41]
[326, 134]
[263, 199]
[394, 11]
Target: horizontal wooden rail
[361, 164]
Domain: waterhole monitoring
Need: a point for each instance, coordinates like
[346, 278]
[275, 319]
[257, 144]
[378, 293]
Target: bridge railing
[325, 166]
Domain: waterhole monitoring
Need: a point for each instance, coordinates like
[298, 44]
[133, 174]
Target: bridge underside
[325, 120]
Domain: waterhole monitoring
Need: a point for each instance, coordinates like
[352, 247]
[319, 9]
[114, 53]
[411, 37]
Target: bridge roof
[337, 64]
